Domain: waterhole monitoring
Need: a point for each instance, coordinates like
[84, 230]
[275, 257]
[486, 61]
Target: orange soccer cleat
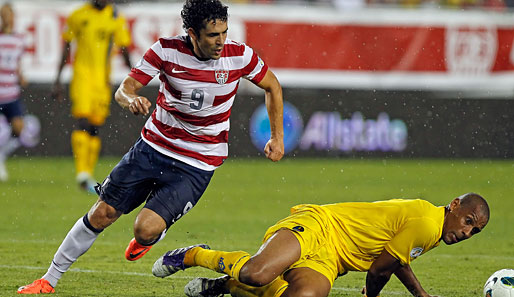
[135, 250]
[39, 286]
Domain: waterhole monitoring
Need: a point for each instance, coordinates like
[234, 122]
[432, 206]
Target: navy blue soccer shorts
[169, 187]
[12, 109]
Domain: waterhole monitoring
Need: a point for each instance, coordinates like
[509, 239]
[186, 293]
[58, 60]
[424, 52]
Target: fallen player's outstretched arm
[380, 272]
[409, 280]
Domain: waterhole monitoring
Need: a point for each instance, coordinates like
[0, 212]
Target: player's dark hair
[473, 199]
[196, 13]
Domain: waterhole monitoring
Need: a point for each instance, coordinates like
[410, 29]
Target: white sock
[161, 237]
[80, 238]
[12, 144]
[163, 234]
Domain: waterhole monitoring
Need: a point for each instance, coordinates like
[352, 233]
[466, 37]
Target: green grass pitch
[41, 202]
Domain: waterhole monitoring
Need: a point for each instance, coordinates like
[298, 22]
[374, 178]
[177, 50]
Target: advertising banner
[319, 123]
[317, 47]
[332, 123]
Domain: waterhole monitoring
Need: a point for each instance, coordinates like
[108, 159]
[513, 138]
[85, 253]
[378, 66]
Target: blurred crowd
[450, 4]
[496, 5]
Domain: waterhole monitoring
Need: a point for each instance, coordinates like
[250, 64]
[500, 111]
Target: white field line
[59, 241]
[131, 273]
[387, 292]
[23, 267]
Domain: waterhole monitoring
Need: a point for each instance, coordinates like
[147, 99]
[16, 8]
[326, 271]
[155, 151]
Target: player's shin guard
[229, 263]
[80, 238]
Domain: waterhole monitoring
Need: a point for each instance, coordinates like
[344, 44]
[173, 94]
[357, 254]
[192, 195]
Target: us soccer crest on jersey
[221, 76]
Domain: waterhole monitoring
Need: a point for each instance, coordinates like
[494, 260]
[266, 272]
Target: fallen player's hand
[140, 105]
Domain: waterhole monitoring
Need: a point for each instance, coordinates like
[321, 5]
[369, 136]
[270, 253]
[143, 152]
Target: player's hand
[140, 105]
[22, 81]
[274, 149]
[57, 92]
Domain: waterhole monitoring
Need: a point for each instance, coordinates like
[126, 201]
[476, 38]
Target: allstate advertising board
[381, 124]
[320, 123]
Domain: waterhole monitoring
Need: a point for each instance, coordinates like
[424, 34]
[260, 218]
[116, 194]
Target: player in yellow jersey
[304, 253]
[95, 28]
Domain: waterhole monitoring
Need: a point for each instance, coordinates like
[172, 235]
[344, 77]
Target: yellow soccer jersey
[94, 32]
[360, 231]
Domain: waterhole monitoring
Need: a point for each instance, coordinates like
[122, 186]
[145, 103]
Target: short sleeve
[122, 33]
[70, 31]
[415, 238]
[150, 65]
[255, 69]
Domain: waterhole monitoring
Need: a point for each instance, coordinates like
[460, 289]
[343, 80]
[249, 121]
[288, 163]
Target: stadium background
[393, 99]
[440, 79]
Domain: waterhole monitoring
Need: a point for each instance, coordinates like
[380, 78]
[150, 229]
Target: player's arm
[126, 56]
[57, 89]
[21, 78]
[127, 97]
[380, 272]
[409, 280]
[274, 149]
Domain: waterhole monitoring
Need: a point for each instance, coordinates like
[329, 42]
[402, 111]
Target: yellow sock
[238, 289]
[274, 289]
[229, 263]
[80, 148]
[95, 144]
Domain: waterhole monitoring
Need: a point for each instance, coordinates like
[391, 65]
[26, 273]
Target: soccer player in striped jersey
[11, 80]
[303, 254]
[183, 141]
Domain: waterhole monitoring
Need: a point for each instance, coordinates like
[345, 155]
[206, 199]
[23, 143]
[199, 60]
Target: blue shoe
[87, 183]
[173, 261]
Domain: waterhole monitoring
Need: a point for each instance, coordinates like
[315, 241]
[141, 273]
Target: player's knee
[17, 126]
[255, 275]
[148, 227]
[103, 215]
[83, 124]
[145, 234]
[93, 130]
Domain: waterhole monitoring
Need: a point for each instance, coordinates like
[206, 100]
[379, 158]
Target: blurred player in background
[94, 27]
[11, 81]
[303, 254]
[184, 140]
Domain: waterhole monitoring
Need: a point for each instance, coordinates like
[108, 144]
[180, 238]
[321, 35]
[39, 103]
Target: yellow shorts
[317, 254]
[90, 101]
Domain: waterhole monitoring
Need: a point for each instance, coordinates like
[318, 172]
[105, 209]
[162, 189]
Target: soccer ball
[500, 284]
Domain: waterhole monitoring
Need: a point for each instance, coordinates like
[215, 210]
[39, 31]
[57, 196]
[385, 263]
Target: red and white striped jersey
[191, 120]
[11, 50]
